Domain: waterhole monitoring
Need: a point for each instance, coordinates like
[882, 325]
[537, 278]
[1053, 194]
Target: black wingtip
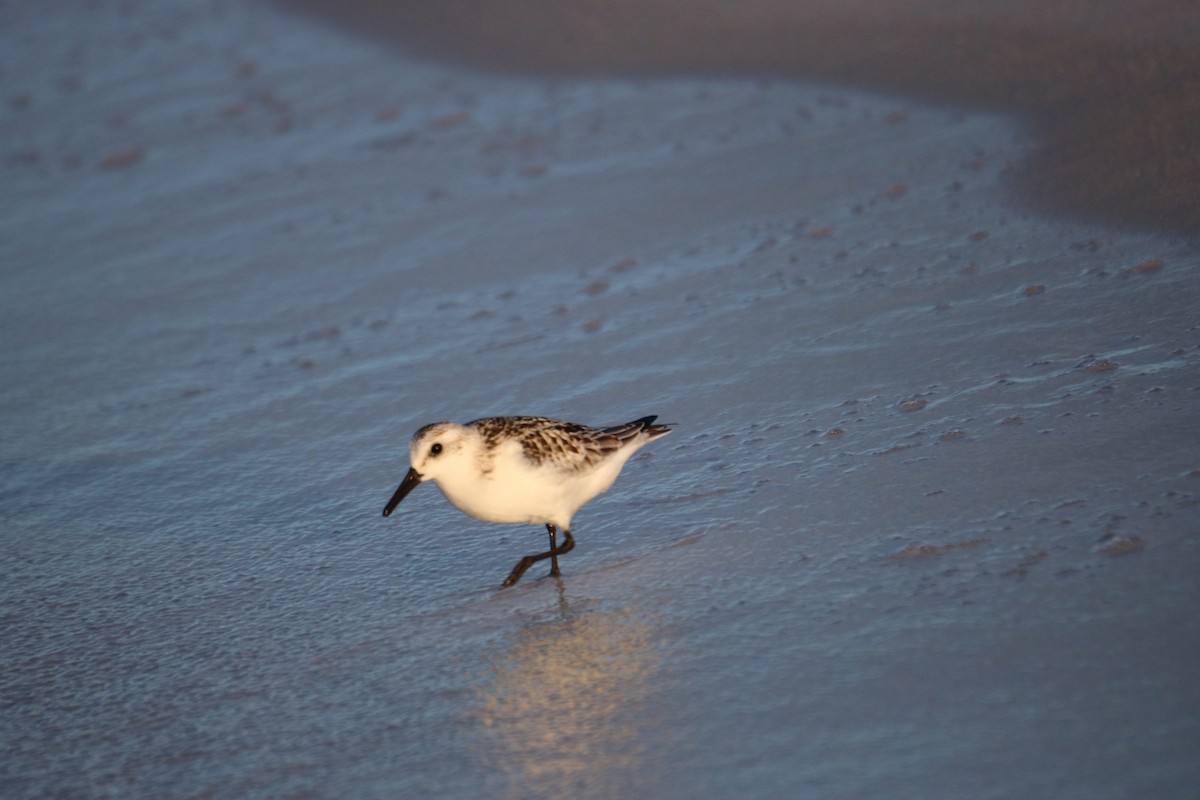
[648, 426]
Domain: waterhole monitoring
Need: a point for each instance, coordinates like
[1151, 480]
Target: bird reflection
[566, 703]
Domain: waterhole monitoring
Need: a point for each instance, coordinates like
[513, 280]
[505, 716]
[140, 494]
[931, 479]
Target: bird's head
[435, 450]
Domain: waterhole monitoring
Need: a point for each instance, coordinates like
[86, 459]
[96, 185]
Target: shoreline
[1112, 93]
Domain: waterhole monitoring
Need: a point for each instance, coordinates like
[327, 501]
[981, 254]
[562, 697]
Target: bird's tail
[638, 426]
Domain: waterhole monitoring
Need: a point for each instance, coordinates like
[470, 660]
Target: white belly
[520, 493]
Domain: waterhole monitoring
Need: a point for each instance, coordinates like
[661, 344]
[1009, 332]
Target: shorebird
[530, 470]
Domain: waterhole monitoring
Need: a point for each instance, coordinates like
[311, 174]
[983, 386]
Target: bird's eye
[436, 449]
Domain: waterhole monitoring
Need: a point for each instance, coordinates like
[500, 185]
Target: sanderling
[523, 469]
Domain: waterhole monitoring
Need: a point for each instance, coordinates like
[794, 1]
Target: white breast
[512, 489]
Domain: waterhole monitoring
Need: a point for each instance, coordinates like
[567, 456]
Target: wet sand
[927, 519]
[1112, 88]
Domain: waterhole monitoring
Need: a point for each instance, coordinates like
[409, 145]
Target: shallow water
[927, 519]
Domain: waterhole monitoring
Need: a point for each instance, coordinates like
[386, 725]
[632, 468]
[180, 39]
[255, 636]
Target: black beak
[407, 485]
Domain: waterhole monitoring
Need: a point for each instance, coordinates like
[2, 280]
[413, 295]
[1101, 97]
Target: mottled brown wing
[567, 445]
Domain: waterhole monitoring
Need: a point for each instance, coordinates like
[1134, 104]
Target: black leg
[528, 561]
[554, 573]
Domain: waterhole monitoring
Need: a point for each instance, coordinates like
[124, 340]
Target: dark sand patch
[1112, 88]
